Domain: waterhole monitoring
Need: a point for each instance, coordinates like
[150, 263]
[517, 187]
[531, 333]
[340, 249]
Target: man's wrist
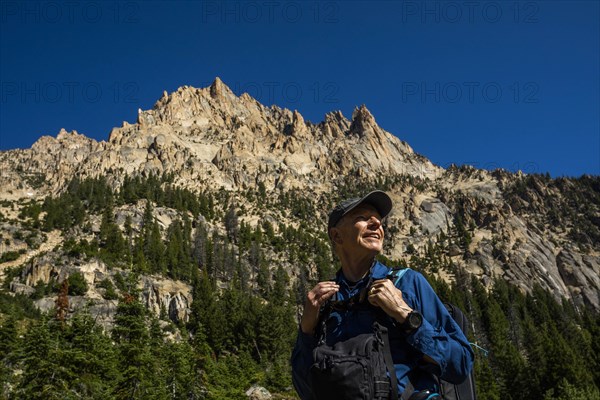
[402, 313]
[308, 324]
[412, 322]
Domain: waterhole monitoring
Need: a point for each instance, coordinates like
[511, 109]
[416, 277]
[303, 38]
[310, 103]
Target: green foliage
[121, 282]
[113, 247]
[77, 284]
[32, 210]
[232, 225]
[71, 361]
[242, 325]
[83, 248]
[69, 209]
[163, 194]
[138, 352]
[178, 252]
[95, 193]
[180, 374]
[230, 376]
[568, 391]
[109, 289]
[558, 203]
[35, 180]
[42, 289]
[44, 376]
[9, 256]
[18, 306]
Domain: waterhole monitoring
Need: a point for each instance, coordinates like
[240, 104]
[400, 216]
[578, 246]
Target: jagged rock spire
[217, 88]
[298, 125]
[362, 121]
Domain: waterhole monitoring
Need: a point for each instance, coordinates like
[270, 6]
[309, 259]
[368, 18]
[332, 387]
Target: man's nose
[374, 222]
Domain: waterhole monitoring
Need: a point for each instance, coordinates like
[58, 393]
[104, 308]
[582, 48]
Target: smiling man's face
[360, 231]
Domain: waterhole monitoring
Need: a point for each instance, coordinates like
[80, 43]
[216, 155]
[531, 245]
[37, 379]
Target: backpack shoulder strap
[396, 274]
[389, 362]
[408, 391]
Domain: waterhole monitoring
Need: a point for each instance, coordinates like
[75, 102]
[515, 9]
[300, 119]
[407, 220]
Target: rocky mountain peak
[63, 134]
[362, 114]
[335, 117]
[218, 89]
[363, 121]
[298, 127]
[335, 124]
[210, 132]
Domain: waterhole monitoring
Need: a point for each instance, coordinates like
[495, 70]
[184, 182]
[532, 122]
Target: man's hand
[322, 292]
[384, 294]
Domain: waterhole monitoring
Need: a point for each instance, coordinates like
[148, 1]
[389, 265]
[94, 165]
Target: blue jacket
[439, 336]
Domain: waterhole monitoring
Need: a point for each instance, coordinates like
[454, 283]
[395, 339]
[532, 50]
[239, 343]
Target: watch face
[415, 319]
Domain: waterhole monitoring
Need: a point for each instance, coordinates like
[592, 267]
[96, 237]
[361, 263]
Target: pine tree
[138, 378]
[200, 242]
[154, 250]
[278, 328]
[217, 257]
[8, 336]
[44, 374]
[129, 238]
[9, 350]
[179, 368]
[231, 224]
[114, 247]
[177, 254]
[91, 358]
[77, 285]
[203, 308]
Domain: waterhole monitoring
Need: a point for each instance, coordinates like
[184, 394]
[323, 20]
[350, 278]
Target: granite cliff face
[491, 224]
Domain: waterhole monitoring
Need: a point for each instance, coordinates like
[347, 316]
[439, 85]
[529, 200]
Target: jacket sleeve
[439, 337]
[302, 359]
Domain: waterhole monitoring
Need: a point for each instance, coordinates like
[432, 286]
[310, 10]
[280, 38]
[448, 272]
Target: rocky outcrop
[581, 274]
[167, 296]
[164, 297]
[258, 393]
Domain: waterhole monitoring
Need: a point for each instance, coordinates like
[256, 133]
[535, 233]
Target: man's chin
[376, 251]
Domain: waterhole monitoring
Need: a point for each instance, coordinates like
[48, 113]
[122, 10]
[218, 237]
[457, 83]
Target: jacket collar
[377, 271]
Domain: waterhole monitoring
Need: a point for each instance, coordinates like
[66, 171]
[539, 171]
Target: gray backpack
[360, 368]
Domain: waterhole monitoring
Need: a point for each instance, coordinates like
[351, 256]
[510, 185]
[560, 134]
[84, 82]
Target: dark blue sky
[511, 84]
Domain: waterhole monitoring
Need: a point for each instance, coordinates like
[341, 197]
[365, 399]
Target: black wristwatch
[413, 321]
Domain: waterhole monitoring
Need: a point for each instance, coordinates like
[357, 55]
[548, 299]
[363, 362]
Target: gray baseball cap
[377, 198]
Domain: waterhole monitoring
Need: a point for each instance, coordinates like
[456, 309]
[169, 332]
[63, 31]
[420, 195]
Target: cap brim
[378, 199]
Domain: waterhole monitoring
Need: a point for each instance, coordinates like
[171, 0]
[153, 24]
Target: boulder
[258, 393]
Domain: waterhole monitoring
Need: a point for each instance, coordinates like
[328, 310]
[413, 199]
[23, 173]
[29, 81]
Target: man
[423, 336]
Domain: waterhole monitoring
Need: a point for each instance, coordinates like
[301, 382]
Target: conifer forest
[242, 323]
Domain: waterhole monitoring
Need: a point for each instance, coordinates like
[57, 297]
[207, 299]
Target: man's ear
[335, 235]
